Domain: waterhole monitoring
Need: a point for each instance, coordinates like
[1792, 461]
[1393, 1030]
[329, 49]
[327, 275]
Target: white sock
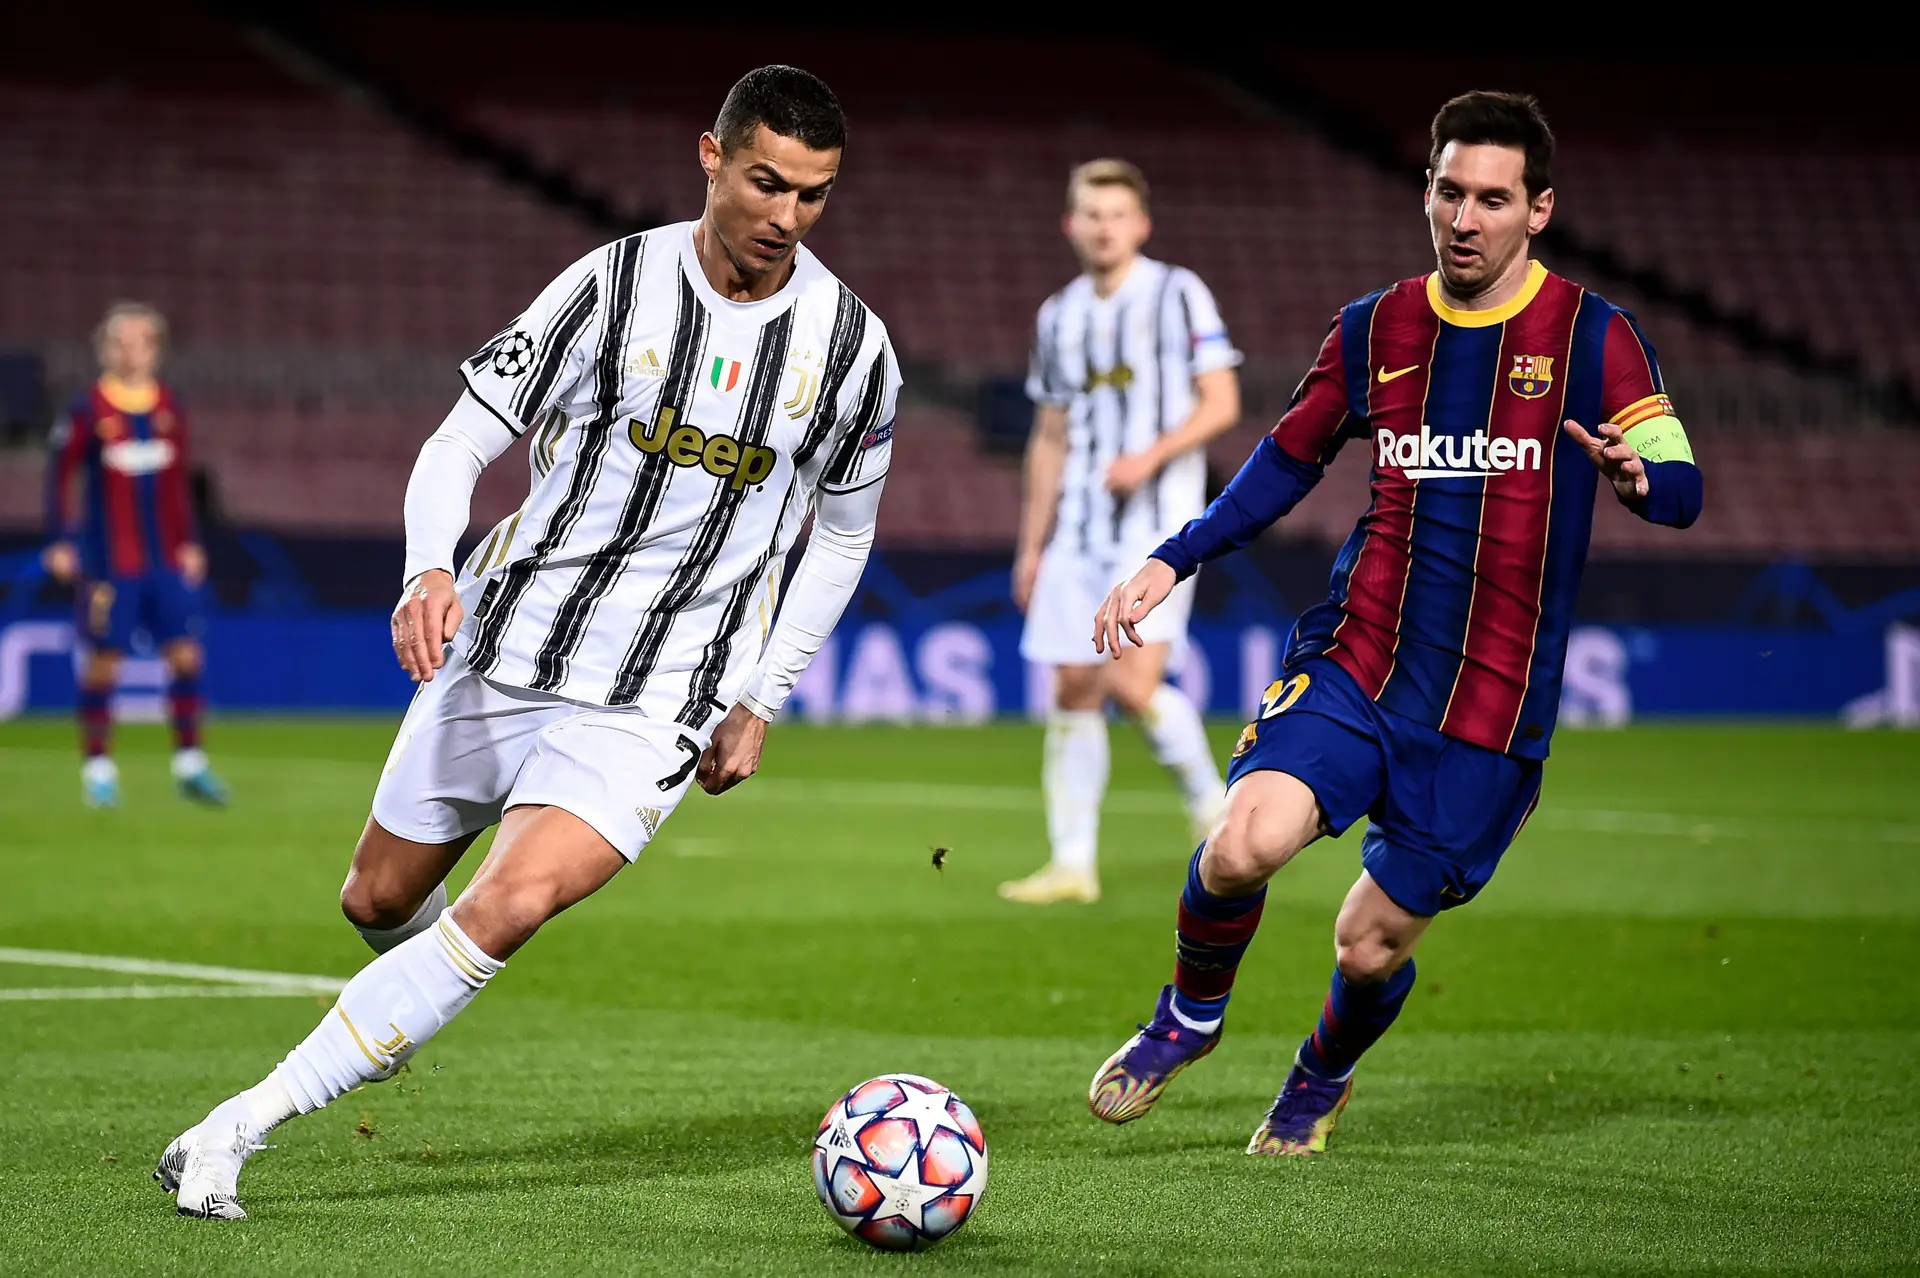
[100, 768]
[1074, 777]
[270, 1103]
[384, 939]
[1179, 742]
[1209, 1026]
[190, 762]
[396, 1003]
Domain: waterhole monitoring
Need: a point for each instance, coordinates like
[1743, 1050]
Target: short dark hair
[1498, 119]
[791, 102]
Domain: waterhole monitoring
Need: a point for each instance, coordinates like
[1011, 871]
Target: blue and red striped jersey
[1452, 600]
[134, 508]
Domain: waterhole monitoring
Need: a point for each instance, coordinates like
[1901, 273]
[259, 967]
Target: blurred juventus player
[1132, 375]
[689, 395]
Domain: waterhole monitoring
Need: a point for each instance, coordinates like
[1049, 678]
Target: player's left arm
[1641, 449]
[845, 516]
[191, 558]
[1212, 362]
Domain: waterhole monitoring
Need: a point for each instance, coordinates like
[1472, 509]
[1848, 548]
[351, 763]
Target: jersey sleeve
[536, 361]
[1201, 331]
[176, 482]
[1320, 417]
[1634, 397]
[865, 449]
[1046, 380]
[66, 453]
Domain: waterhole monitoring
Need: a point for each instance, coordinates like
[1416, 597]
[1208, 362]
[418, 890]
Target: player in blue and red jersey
[1422, 693]
[120, 523]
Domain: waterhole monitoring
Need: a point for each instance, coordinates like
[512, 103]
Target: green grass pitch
[1678, 1032]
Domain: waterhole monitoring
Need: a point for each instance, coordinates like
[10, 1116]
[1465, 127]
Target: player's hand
[61, 561]
[1026, 570]
[1614, 456]
[425, 622]
[192, 562]
[1130, 470]
[1128, 604]
[735, 753]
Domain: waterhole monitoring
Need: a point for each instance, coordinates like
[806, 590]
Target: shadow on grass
[616, 1154]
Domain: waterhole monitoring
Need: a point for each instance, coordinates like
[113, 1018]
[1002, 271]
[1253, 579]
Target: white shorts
[470, 749]
[1070, 588]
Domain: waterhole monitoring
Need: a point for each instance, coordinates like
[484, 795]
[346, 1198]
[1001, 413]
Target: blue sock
[1212, 936]
[1352, 1020]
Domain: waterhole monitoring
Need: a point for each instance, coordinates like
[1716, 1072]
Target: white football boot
[202, 1165]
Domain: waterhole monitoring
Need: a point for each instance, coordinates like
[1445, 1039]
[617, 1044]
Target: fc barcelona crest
[1532, 376]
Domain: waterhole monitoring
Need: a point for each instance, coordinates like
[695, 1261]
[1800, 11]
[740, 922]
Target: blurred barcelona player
[1422, 693]
[120, 519]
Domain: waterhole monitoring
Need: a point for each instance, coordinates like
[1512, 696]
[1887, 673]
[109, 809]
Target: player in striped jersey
[689, 395]
[1132, 375]
[1422, 693]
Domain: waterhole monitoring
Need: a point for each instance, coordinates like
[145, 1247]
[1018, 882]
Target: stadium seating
[323, 264]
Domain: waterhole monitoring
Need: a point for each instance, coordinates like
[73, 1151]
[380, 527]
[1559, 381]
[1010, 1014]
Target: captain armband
[1655, 433]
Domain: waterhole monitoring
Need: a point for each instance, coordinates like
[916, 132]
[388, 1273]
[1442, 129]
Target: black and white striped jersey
[1123, 368]
[677, 441]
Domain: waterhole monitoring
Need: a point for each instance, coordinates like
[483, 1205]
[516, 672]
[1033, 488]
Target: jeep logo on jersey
[721, 456]
[1431, 456]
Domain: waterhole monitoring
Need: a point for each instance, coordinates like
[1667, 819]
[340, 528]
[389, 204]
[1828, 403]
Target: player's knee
[101, 671]
[184, 658]
[1078, 688]
[371, 900]
[1241, 853]
[1131, 697]
[1369, 958]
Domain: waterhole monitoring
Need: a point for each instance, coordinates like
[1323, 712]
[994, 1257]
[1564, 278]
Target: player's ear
[711, 156]
[1540, 212]
[1426, 196]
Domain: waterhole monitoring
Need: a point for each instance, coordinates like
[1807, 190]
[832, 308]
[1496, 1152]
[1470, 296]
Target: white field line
[233, 982]
[1008, 798]
[57, 993]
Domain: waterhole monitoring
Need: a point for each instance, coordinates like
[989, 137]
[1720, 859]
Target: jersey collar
[125, 398]
[1536, 276]
[770, 305]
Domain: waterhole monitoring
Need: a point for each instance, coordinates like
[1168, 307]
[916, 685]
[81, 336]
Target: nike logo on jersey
[1386, 377]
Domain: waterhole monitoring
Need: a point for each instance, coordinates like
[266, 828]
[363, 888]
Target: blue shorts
[1443, 810]
[109, 611]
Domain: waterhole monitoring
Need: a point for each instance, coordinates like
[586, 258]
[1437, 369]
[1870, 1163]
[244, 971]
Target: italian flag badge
[725, 374]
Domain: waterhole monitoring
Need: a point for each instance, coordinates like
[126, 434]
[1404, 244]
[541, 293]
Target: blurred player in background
[1422, 694]
[1132, 375]
[689, 394]
[121, 528]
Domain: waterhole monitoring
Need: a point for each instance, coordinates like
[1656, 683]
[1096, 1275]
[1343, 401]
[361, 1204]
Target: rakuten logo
[1431, 456]
[138, 456]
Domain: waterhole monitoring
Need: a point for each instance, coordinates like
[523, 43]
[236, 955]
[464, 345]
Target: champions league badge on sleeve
[878, 435]
[515, 355]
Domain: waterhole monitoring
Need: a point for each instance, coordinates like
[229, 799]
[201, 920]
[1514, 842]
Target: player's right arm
[1046, 458]
[522, 373]
[1284, 468]
[67, 446]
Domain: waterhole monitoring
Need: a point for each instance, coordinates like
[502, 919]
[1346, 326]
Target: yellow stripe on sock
[365, 1051]
[457, 954]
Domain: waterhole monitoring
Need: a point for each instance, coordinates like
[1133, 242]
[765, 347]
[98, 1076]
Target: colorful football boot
[1132, 1079]
[1302, 1116]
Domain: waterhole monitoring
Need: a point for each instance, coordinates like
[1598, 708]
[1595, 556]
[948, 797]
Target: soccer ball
[900, 1162]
